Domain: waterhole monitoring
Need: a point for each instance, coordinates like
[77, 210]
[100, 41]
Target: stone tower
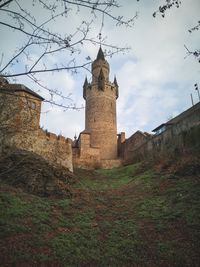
[100, 109]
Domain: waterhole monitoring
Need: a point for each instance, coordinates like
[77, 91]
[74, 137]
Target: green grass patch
[105, 180]
[127, 171]
[79, 245]
[120, 217]
[12, 210]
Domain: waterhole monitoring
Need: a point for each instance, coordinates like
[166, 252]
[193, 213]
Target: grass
[121, 217]
[104, 180]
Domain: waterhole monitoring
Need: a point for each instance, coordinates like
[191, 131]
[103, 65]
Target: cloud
[155, 78]
[66, 123]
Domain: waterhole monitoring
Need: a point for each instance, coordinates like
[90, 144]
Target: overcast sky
[155, 78]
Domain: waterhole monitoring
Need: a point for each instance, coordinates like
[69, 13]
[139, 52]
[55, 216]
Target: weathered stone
[20, 110]
[98, 142]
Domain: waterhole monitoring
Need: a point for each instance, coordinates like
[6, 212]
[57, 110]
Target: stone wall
[121, 138]
[55, 149]
[171, 140]
[19, 126]
[85, 156]
[110, 163]
[134, 143]
[18, 111]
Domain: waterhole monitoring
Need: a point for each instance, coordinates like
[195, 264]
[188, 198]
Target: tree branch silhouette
[40, 40]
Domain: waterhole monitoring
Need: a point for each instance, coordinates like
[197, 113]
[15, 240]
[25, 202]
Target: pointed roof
[100, 54]
[115, 81]
[85, 82]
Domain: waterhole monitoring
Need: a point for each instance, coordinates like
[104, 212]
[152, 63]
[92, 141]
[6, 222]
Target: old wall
[134, 143]
[19, 127]
[85, 156]
[18, 111]
[55, 149]
[121, 138]
[110, 163]
[183, 132]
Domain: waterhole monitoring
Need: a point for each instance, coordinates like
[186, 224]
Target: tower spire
[85, 85]
[85, 82]
[115, 81]
[100, 54]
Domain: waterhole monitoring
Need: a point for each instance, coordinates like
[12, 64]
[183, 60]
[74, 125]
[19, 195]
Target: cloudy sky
[156, 77]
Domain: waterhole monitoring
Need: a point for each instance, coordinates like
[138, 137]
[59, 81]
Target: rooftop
[21, 88]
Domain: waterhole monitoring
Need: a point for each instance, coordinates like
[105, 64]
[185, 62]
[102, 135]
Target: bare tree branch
[40, 42]
[5, 3]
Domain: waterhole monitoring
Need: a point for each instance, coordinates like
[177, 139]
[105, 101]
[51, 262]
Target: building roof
[21, 88]
[161, 126]
[179, 117]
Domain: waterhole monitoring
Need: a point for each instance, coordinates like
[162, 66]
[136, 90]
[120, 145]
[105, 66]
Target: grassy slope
[130, 216]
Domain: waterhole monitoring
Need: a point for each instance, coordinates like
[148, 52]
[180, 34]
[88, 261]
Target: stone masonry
[97, 146]
[20, 110]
